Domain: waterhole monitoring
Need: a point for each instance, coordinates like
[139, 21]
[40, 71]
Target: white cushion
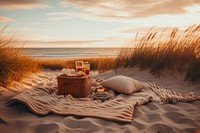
[123, 84]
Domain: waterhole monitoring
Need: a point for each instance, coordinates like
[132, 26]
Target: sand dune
[151, 117]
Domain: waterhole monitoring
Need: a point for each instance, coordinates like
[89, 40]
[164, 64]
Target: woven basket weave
[76, 86]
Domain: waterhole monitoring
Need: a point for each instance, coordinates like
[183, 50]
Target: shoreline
[70, 53]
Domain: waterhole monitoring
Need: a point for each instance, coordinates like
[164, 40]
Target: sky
[92, 23]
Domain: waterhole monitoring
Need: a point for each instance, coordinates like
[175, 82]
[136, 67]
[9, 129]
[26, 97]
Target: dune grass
[13, 65]
[179, 51]
[165, 51]
[100, 64]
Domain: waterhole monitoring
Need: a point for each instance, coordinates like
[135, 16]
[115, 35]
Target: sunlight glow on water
[63, 53]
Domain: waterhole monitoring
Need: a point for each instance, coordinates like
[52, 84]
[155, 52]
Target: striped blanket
[43, 101]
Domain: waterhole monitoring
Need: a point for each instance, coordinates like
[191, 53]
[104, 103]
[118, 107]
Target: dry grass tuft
[13, 65]
[101, 64]
[156, 51]
[54, 64]
[177, 50]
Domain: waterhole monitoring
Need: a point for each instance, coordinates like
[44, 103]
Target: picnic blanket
[43, 101]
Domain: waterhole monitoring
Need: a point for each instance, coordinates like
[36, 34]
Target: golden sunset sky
[92, 23]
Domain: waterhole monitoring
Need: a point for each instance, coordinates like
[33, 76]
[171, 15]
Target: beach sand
[151, 117]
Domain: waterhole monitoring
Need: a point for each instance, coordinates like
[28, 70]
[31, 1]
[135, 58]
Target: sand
[150, 118]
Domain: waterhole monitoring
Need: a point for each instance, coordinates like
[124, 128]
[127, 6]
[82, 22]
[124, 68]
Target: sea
[70, 53]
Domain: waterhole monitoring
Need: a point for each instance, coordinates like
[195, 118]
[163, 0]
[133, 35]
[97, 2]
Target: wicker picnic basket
[76, 86]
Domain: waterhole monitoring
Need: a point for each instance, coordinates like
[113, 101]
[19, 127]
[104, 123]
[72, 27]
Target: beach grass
[13, 64]
[176, 51]
[100, 64]
[165, 51]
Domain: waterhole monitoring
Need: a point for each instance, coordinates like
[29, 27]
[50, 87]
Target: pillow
[123, 84]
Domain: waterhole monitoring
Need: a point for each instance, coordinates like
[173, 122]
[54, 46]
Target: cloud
[65, 15]
[153, 29]
[58, 43]
[146, 29]
[126, 9]
[4, 19]
[63, 42]
[21, 4]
